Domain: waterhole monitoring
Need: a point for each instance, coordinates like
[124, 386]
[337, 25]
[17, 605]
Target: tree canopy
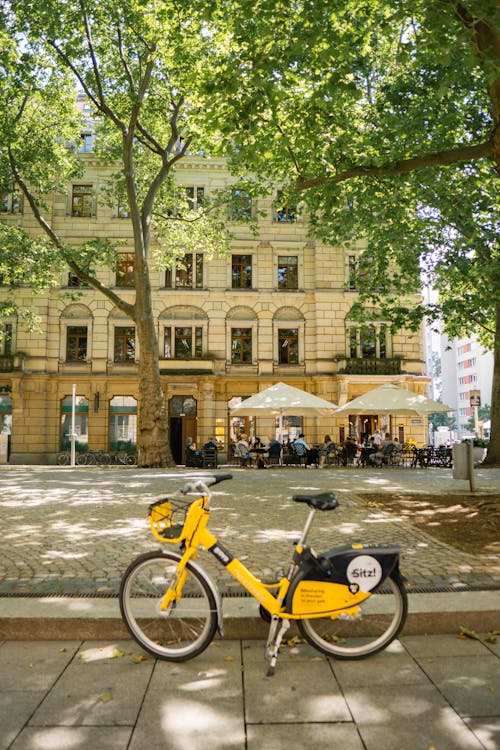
[381, 117]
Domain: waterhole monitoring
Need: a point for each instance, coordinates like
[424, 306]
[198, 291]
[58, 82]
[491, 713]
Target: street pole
[73, 425]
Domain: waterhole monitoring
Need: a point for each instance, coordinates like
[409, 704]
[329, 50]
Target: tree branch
[126, 307]
[440, 158]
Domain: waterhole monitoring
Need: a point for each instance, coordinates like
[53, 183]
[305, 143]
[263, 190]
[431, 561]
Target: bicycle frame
[311, 598]
[173, 609]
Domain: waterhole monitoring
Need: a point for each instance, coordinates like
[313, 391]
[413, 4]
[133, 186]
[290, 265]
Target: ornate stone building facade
[276, 308]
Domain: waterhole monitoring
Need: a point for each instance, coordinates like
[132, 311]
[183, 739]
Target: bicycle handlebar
[203, 483]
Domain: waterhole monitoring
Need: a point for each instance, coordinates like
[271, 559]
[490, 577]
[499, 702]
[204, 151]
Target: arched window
[241, 325]
[122, 345]
[183, 332]
[76, 329]
[288, 336]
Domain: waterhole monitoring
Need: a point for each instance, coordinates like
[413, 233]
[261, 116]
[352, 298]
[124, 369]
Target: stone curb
[66, 618]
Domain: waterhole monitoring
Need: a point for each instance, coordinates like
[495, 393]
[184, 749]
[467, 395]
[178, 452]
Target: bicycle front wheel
[183, 630]
[379, 621]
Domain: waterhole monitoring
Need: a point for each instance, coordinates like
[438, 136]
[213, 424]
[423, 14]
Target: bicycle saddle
[323, 501]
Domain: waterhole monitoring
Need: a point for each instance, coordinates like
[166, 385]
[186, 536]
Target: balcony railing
[358, 366]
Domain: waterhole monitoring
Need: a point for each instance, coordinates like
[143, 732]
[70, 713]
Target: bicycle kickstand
[274, 641]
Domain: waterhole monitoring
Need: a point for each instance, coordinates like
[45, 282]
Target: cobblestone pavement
[73, 531]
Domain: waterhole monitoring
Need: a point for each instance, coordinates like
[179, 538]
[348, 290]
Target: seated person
[243, 450]
[258, 450]
[273, 447]
[210, 444]
[349, 451]
[383, 453]
[367, 450]
[326, 448]
[396, 451]
[193, 456]
[301, 448]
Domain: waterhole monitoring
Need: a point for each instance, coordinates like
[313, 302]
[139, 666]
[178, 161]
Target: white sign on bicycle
[364, 570]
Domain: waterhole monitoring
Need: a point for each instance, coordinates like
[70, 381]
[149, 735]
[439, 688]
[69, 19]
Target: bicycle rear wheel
[381, 619]
[182, 631]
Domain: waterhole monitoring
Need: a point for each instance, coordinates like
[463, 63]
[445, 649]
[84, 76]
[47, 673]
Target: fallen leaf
[467, 633]
[228, 658]
[139, 658]
[105, 697]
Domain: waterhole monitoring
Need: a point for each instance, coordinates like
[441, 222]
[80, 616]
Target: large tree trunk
[493, 454]
[153, 446]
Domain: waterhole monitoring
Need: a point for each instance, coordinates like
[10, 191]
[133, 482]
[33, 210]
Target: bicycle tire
[382, 617]
[180, 633]
[82, 459]
[63, 459]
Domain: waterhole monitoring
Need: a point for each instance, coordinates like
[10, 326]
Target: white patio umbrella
[279, 400]
[389, 399]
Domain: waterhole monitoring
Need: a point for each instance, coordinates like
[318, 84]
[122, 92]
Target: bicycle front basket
[166, 519]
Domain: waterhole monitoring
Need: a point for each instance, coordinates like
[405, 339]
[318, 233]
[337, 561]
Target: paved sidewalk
[423, 692]
[68, 535]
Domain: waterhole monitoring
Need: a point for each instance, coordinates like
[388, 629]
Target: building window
[11, 203]
[241, 345]
[368, 341]
[76, 343]
[6, 339]
[82, 201]
[81, 422]
[357, 271]
[241, 206]
[125, 270]
[86, 143]
[241, 272]
[286, 213]
[184, 342]
[288, 346]
[195, 197]
[187, 275]
[124, 347]
[122, 423]
[122, 211]
[288, 272]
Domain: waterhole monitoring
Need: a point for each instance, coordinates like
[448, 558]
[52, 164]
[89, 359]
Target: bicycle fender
[340, 578]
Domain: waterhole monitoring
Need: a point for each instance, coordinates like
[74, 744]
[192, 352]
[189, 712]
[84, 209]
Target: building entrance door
[368, 423]
[182, 424]
[180, 429]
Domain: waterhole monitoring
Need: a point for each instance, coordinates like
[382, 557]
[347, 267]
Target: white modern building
[466, 367]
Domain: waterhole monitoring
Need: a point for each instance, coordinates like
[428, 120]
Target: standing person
[377, 438]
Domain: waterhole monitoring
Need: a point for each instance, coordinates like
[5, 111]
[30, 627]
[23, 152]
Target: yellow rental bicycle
[349, 602]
